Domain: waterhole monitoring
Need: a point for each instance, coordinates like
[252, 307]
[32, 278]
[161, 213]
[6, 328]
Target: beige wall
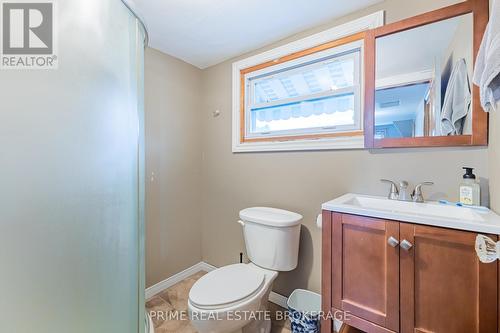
[494, 161]
[301, 181]
[173, 154]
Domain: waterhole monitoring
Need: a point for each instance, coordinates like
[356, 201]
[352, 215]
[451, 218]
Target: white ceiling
[207, 32]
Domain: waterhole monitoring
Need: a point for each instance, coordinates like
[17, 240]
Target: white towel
[457, 100]
[487, 71]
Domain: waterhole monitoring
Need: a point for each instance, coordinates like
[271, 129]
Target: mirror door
[419, 89]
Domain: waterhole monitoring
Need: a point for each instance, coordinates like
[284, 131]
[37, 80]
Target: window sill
[344, 142]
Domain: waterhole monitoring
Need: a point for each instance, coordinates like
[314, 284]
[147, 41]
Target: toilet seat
[226, 286]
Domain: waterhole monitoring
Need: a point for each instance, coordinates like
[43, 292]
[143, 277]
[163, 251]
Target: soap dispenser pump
[470, 191]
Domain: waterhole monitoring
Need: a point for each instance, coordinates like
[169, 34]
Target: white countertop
[429, 213]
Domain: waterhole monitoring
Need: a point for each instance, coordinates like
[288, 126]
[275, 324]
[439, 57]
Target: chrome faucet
[402, 193]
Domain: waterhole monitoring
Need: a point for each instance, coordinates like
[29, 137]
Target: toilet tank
[271, 237]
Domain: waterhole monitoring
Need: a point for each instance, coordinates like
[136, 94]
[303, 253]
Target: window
[304, 95]
[319, 95]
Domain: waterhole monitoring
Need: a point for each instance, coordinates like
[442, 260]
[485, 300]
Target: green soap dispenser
[470, 191]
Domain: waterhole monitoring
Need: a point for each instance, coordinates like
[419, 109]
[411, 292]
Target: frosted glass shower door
[71, 227]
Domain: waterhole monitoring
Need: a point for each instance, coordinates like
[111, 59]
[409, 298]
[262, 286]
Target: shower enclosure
[71, 178]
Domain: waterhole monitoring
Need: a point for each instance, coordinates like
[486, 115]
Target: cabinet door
[365, 267]
[444, 286]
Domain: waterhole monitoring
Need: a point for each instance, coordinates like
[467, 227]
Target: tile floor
[171, 308]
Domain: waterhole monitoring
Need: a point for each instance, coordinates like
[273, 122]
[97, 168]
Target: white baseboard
[278, 299]
[169, 282]
[206, 267]
[201, 266]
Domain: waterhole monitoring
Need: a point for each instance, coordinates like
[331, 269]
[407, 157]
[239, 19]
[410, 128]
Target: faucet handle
[417, 195]
[425, 183]
[394, 193]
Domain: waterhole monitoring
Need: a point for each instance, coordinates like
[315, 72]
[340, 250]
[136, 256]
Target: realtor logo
[28, 35]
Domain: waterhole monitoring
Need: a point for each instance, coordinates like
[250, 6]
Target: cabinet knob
[392, 241]
[406, 245]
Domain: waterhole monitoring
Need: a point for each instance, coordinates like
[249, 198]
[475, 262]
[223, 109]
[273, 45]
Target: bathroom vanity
[392, 266]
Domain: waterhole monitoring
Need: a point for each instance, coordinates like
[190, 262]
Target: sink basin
[429, 213]
[432, 209]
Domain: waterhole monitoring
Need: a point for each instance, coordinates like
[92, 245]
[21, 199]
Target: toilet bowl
[234, 298]
[225, 300]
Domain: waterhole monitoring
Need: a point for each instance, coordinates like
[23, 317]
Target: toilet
[234, 298]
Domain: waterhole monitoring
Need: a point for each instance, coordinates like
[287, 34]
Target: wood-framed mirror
[418, 80]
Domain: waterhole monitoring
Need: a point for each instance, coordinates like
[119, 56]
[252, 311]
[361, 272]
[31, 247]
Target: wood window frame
[294, 56]
[480, 11]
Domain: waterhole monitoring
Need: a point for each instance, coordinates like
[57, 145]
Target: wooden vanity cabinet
[433, 282]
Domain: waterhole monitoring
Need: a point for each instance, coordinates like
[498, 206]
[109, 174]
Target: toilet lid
[226, 285]
[273, 217]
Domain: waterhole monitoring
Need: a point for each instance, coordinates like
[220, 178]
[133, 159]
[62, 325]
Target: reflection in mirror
[423, 80]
